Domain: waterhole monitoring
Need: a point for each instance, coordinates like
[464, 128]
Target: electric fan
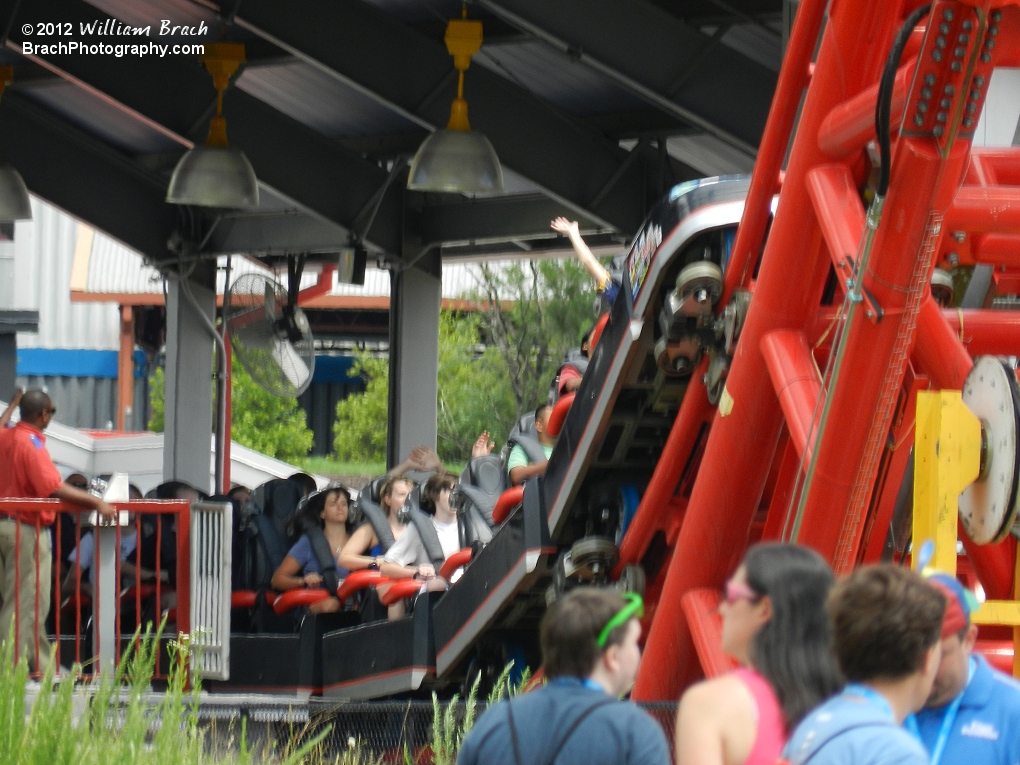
[270, 334]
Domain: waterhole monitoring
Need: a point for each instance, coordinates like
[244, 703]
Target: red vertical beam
[793, 79]
[694, 410]
[742, 443]
[125, 367]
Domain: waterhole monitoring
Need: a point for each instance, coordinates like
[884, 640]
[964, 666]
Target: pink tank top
[771, 734]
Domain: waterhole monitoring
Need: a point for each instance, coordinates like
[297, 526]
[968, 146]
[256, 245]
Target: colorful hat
[960, 603]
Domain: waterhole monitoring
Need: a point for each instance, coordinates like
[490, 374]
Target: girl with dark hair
[408, 556]
[775, 625]
[328, 511]
[363, 550]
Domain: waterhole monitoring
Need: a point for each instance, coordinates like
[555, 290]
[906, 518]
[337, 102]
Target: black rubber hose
[885, 93]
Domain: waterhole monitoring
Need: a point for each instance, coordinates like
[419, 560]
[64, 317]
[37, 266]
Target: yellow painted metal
[947, 455]
[998, 612]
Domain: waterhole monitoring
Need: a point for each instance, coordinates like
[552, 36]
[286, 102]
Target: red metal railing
[152, 579]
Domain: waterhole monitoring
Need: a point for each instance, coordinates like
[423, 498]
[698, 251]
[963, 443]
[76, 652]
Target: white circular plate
[988, 506]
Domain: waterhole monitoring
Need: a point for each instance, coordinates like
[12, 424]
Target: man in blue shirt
[972, 716]
[885, 627]
[590, 654]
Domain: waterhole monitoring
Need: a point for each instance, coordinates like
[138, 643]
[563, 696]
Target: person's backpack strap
[554, 752]
[324, 556]
[429, 537]
[833, 737]
[380, 523]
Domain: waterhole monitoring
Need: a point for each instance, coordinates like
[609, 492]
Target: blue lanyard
[873, 697]
[584, 683]
[948, 718]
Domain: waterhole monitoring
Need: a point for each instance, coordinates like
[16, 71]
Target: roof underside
[594, 107]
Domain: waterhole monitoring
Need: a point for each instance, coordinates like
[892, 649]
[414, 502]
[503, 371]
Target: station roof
[594, 107]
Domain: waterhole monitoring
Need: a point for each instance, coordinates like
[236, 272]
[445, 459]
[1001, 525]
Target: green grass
[115, 721]
[111, 722]
[330, 467]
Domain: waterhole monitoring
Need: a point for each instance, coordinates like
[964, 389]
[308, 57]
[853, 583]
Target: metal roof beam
[457, 222]
[174, 96]
[645, 49]
[413, 76]
[86, 178]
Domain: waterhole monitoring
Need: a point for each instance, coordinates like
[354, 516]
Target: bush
[259, 420]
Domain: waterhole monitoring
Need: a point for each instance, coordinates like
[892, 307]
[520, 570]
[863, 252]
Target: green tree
[359, 433]
[474, 395]
[535, 311]
[259, 420]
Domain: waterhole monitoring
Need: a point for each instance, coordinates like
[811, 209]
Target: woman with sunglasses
[775, 625]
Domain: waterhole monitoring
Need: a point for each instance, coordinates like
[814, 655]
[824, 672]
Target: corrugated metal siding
[43, 254]
[90, 402]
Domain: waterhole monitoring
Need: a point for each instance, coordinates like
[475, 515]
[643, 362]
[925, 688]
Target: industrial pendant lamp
[216, 175]
[458, 159]
[14, 202]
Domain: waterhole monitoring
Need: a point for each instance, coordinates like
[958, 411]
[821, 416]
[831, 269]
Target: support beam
[415, 298]
[125, 368]
[188, 384]
[412, 75]
[605, 33]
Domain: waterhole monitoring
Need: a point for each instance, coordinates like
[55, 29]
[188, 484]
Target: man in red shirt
[28, 472]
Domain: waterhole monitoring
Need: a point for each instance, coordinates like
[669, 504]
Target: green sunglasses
[635, 608]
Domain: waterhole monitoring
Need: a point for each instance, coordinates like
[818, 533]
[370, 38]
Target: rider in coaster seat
[433, 535]
[312, 561]
[530, 451]
[571, 372]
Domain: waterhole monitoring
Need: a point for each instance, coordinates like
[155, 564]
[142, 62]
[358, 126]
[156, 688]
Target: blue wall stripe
[71, 362]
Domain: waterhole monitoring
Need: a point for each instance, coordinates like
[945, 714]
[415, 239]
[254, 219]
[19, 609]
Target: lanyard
[948, 718]
[871, 696]
[583, 682]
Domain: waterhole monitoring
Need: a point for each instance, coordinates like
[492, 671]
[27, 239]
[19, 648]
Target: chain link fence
[360, 733]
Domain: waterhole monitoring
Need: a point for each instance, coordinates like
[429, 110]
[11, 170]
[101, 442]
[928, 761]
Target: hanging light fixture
[458, 159]
[216, 174]
[14, 202]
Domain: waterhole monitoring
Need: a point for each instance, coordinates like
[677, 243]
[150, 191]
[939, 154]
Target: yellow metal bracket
[947, 459]
[947, 456]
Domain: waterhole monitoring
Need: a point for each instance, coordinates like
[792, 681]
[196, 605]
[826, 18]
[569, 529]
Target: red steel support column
[669, 470]
[875, 353]
[788, 290]
[125, 367]
[797, 382]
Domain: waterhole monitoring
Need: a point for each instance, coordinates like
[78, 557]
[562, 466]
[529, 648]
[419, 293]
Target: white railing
[211, 534]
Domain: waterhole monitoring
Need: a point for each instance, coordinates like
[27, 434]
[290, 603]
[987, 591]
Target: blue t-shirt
[849, 729]
[302, 552]
[986, 730]
[617, 733]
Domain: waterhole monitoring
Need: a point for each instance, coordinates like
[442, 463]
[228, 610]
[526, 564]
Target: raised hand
[563, 226]
[483, 445]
